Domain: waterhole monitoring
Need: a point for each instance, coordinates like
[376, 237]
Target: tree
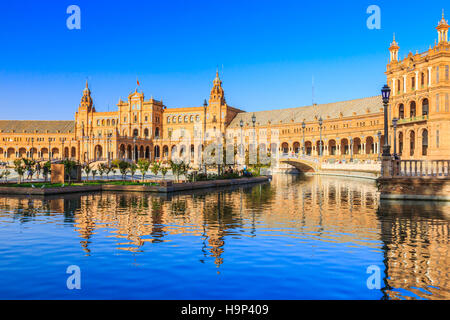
[19, 168]
[47, 169]
[123, 168]
[133, 168]
[155, 168]
[5, 174]
[143, 165]
[69, 165]
[87, 169]
[94, 173]
[178, 169]
[164, 170]
[102, 169]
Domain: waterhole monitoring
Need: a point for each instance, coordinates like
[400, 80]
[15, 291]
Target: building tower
[442, 29]
[394, 50]
[217, 105]
[86, 100]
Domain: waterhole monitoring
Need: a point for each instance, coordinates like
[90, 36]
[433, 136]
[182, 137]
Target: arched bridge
[302, 163]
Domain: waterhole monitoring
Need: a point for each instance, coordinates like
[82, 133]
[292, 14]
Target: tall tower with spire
[442, 29]
[86, 100]
[394, 50]
[217, 108]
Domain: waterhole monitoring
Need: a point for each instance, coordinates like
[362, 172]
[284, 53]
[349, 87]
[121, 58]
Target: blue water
[294, 238]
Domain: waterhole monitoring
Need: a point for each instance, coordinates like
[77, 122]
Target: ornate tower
[394, 50]
[86, 100]
[217, 105]
[442, 29]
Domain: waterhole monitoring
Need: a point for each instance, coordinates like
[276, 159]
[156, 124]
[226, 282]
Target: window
[437, 138]
[437, 102]
[413, 83]
[185, 118]
[447, 73]
[125, 119]
[422, 81]
[168, 119]
[179, 119]
[437, 74]
[197, 118]
[446, 102]
[192, 119]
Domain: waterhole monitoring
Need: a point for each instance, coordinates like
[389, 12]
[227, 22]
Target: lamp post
[351, 149]
[303, 141]
[241, 124]
[31, 155]
[379, 145]
[63, 156]
[49, 149]
[134, 149]
[254, 137]
[386, 92]
[394, 124]
[320, 142]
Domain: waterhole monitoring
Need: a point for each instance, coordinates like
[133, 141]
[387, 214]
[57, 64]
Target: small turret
[394, 50]
[442, 29]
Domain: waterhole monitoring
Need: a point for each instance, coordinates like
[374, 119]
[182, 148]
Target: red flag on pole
[138, 82]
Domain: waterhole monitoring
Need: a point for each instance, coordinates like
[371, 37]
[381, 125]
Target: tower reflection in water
[413, 237]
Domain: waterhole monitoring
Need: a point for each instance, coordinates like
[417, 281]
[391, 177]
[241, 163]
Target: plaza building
[347, 131]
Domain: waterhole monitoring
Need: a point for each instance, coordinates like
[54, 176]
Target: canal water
[293, 238]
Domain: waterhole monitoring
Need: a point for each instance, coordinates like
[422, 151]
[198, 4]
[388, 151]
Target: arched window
[135, 132]
[192, 119]
[179, 119]
[424, 142]
[174, 119]
[401, 111]
[185, 118]
[146, 132]
[425, 107]
[168, 119]
[157, 133]
[412, 109]
[437, 102]
[197, 118]
[412, 142]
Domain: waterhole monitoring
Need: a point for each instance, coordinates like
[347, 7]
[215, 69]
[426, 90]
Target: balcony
[413, 119]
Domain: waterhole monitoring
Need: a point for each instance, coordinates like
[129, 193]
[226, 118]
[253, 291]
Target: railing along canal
[421, 168]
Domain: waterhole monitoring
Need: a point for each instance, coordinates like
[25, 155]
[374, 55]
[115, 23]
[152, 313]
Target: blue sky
[267, 51]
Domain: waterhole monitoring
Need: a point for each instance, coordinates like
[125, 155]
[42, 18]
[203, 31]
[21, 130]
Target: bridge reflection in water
[336, 225]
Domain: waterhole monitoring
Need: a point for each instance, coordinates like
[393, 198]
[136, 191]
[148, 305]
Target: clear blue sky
[266, 51]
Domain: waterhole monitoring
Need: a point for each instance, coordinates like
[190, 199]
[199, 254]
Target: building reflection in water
[414, 237]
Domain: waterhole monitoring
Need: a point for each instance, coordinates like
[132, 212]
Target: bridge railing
[421, 168]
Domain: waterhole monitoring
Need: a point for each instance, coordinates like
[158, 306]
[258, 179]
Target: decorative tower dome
[442, 29]
[86, 99]
[394, 50]
[217, 92]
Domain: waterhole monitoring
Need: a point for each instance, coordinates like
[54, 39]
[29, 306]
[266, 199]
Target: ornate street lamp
[320, 142]
[303, 142]
[134, 149]
[32, 140]
[49, 149]
[254, 136]
[379, 145]
[386, 92]
[241, 151]
[351, 149]
[394, 124]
